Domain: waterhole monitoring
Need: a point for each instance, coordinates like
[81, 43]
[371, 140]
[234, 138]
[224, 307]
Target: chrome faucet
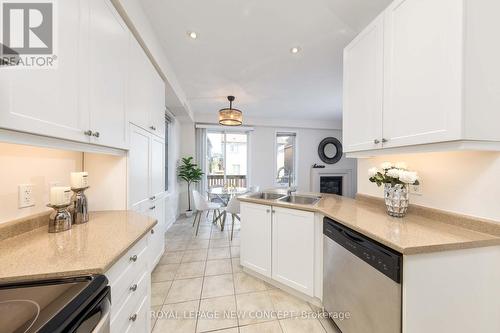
[290, 189]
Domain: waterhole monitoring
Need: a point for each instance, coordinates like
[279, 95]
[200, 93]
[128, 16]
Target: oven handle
[103, 324]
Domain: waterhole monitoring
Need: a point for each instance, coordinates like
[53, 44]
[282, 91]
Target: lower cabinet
[293, 249]
[130, 282]
[279, 243]
[255, 248]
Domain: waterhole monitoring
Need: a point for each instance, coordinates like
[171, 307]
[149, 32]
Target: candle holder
[80, 205]
[60, 219]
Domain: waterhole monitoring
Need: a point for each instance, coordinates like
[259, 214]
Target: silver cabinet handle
[88, 133]
[96, 134]
[152, 231]
[268, 211]
[133, 258]
[153, 128]
[273, 211]
[376, 141]
[133, 317]
[152, 208]
[152, 198]
[384, 140]
[133, 287]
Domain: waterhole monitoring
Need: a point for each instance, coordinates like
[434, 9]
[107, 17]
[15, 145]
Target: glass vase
[397, 199]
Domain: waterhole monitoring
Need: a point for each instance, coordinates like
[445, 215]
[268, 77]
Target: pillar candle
[79, 179]
[60, 195]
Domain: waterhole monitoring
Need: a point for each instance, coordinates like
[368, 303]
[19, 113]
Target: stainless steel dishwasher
[361, 280]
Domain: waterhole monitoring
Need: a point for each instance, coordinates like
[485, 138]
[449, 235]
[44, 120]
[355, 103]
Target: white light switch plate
[26, 195]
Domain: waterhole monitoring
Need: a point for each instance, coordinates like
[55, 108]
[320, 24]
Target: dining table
[225, 194]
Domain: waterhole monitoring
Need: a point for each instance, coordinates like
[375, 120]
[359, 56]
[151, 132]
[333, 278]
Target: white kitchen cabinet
[157, 234]
[293, 249]
[440, 74]
[146, 93]
[138, 168]
[423, 69]
[363, 89]
[255, 248]
[108, 44]
[46, 101]
[157, 165]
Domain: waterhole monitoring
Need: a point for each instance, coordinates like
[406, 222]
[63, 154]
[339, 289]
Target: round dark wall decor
[330, 150]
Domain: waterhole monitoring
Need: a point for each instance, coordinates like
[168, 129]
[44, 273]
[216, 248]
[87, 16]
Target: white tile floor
[199, 287]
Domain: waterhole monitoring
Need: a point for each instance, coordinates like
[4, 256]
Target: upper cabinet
[420, 79]
[363, 88]
[146, 93]
[46, 101]
[103, 78]
[108, 44]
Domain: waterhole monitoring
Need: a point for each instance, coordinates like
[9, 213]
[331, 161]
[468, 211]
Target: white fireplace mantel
[348, 184]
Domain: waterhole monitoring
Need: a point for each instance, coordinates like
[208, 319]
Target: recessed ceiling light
[192, 34]
[295, 50]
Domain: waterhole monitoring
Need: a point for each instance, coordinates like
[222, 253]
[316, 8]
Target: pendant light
[230, 117]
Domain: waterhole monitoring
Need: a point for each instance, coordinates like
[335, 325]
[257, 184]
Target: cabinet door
[107, 74]
[139, 94]
[156, 244]
[363, 89]
[293, 249]
[158, 110]
[139, 170]
[255, 250]
[46, 101]
[423, 72]
[157, 166]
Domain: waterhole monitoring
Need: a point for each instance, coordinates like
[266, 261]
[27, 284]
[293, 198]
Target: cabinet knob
[152, 198]
[133, 287]
[152, 231]
[133, 317]
[133, 258]
[152, 208]
[273, 211]
[96, 134]
[376, 141]
[384, 140]
[268, 211]
[88, 132]
[153, 128]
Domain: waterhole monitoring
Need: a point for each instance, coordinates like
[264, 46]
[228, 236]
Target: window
[227, 159]
[286, 152]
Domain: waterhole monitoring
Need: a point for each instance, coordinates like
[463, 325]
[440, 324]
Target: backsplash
[459, 182]
[41, 167]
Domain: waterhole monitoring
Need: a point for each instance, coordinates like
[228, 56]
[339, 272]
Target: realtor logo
[27, 33]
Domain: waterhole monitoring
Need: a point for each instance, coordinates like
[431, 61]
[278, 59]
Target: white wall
[262, 150]
[460, 182]
[187, 148]
[21, 164]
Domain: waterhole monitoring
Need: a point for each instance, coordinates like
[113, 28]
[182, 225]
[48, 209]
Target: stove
[79, 304]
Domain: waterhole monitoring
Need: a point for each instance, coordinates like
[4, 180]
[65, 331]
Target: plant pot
[397, 199]
[189, 213]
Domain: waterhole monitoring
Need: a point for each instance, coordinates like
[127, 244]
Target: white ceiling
[243, 49]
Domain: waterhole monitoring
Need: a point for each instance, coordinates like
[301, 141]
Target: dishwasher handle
[380, 257]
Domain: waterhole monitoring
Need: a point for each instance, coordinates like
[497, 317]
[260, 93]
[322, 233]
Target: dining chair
[233, 208]
[202, 205]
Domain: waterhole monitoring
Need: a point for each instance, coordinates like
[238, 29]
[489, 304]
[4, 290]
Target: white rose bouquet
[393, 174]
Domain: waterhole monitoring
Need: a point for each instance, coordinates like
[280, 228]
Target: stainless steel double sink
[293, 199]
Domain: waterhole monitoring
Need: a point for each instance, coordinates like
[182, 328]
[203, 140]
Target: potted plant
[396, 179]
[190, 173]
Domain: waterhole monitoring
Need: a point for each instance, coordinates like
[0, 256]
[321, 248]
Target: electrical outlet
[416, 190]
[26, 195]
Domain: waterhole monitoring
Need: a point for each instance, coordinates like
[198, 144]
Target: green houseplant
[191, 174]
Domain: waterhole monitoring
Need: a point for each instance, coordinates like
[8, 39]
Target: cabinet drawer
[142, 321]
[123, 314]
[126, 272]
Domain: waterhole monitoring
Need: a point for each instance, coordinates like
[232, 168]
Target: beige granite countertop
[90, 248]
[412, 234]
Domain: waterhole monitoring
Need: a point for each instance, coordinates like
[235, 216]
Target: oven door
[97, 318]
